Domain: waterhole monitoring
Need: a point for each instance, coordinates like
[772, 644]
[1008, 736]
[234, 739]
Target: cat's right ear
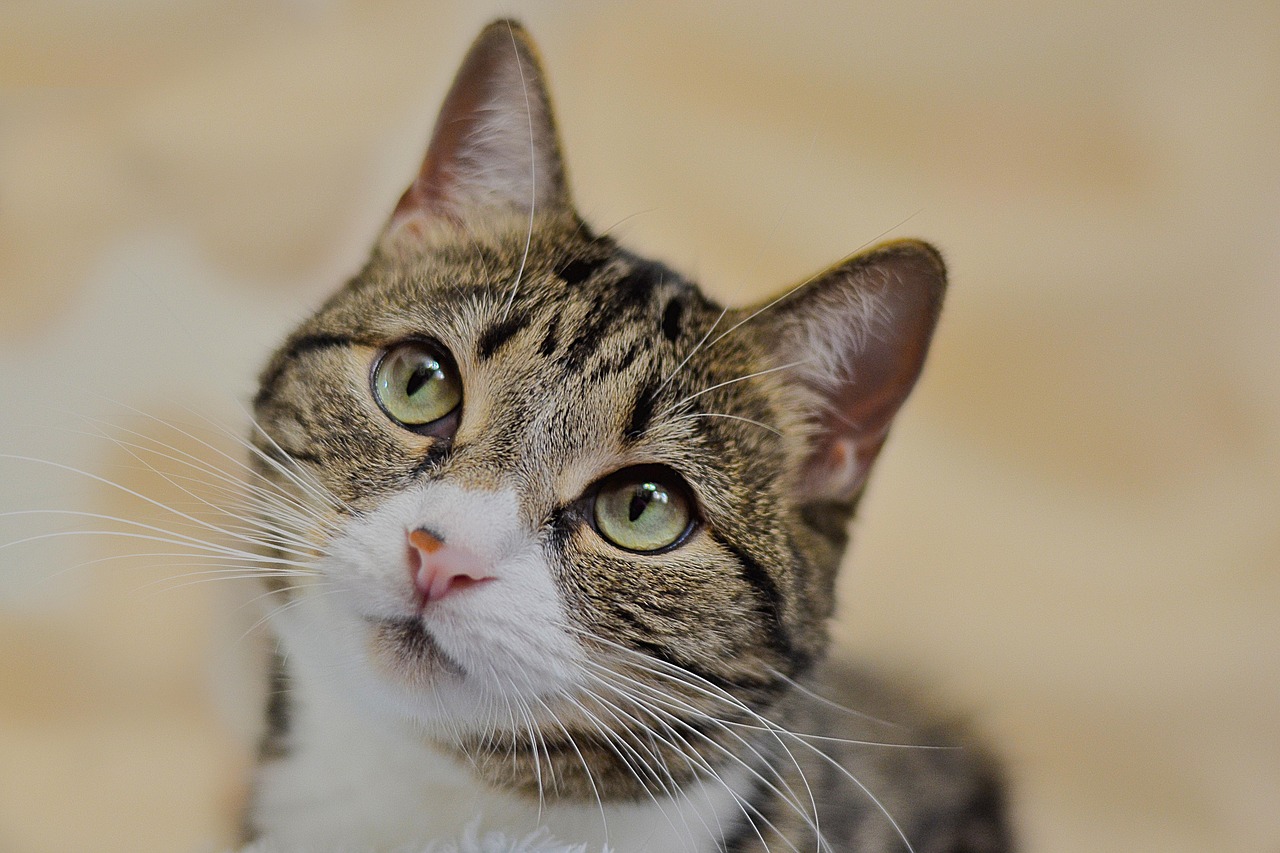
[494, 147]
[856, 336]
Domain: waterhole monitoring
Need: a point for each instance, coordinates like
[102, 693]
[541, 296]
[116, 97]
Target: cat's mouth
[406, 646]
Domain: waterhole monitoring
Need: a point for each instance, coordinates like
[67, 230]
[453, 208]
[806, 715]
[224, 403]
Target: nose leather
[438, 570]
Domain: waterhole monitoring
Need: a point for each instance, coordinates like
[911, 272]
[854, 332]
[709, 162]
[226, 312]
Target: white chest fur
[356, 781]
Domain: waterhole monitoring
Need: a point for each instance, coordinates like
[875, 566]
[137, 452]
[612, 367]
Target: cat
[556, 536]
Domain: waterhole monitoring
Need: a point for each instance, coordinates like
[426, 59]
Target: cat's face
[532, 469]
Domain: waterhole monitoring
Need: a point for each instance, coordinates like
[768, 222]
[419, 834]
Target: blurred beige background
[1075, 531]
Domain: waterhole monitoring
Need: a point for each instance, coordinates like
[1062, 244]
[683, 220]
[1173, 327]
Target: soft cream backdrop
[1075, 531]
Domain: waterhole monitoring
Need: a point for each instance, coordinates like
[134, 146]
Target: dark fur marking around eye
[313, 342]
[492, 338]
[431, 460]
[771, 603]
[289, 455]
[641, 413]
[671, 318]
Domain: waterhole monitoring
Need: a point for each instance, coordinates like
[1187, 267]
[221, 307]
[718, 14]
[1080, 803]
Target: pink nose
[437, 569]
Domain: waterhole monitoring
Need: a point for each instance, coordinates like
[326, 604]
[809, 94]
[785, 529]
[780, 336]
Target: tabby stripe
[663, 654]
[611, 368]
[671, 317]
[492, 338]
[770, 599]
[641, 413]
[659, 652]
[577, 270]
[588, 340]
[550, 342]
[638, 285]
[301, 345]
[286, 456]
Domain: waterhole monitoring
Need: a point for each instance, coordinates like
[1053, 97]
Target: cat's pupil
[642, 511]
[425, 371]
[644, 495]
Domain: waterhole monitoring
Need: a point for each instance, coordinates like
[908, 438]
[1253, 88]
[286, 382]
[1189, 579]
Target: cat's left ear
[494, 146]
[858, 335]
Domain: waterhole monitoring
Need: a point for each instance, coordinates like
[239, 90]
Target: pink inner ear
[835, 470]
[460, 118]
[879, 351]
[494, 145]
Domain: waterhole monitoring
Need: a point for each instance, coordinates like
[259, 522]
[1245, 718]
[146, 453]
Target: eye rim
[442, 427]
[670, 479]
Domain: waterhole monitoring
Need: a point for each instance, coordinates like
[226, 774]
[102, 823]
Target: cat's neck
[352, 775]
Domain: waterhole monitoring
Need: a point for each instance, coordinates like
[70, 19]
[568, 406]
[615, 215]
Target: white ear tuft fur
[859, 333]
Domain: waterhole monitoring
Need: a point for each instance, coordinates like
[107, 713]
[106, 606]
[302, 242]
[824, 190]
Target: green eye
[643, 509]
[416, 384]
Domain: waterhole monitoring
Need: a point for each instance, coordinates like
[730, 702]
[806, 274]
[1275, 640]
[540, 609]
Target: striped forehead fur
[572, 670]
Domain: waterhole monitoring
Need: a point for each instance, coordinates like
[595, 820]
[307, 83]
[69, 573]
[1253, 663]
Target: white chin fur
[506, 635]
[356, 728]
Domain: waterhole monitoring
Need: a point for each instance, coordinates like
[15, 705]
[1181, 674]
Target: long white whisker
[781, 731]
[615, 741]
[132, 492]
[696, 415]
[667, 719]
[792, 291]
[300, 476]
[533, 175]
[691, 354]
[170, 536]
[277, 535]
[736, 379]
[283, 501]
[591, 779]
[685, 751]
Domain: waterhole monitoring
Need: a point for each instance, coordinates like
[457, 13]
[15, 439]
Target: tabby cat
[558, 535]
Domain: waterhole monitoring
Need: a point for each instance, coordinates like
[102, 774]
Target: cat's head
[531, 468]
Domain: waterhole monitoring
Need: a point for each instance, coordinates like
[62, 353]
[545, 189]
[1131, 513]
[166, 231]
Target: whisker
[126, 490]
[297, 473]
[586, 767]
[276, 498]
[667, 719]
[168, 536]
[678, 674]
[533, 174]
[691, 354]
[792, 291]
[736, 379]
[276, 536]
[696, 415]
[273, 612]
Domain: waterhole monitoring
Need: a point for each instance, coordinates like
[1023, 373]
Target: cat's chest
[348, 783]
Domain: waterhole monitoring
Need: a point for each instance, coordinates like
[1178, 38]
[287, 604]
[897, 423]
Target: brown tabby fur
[575, 353]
